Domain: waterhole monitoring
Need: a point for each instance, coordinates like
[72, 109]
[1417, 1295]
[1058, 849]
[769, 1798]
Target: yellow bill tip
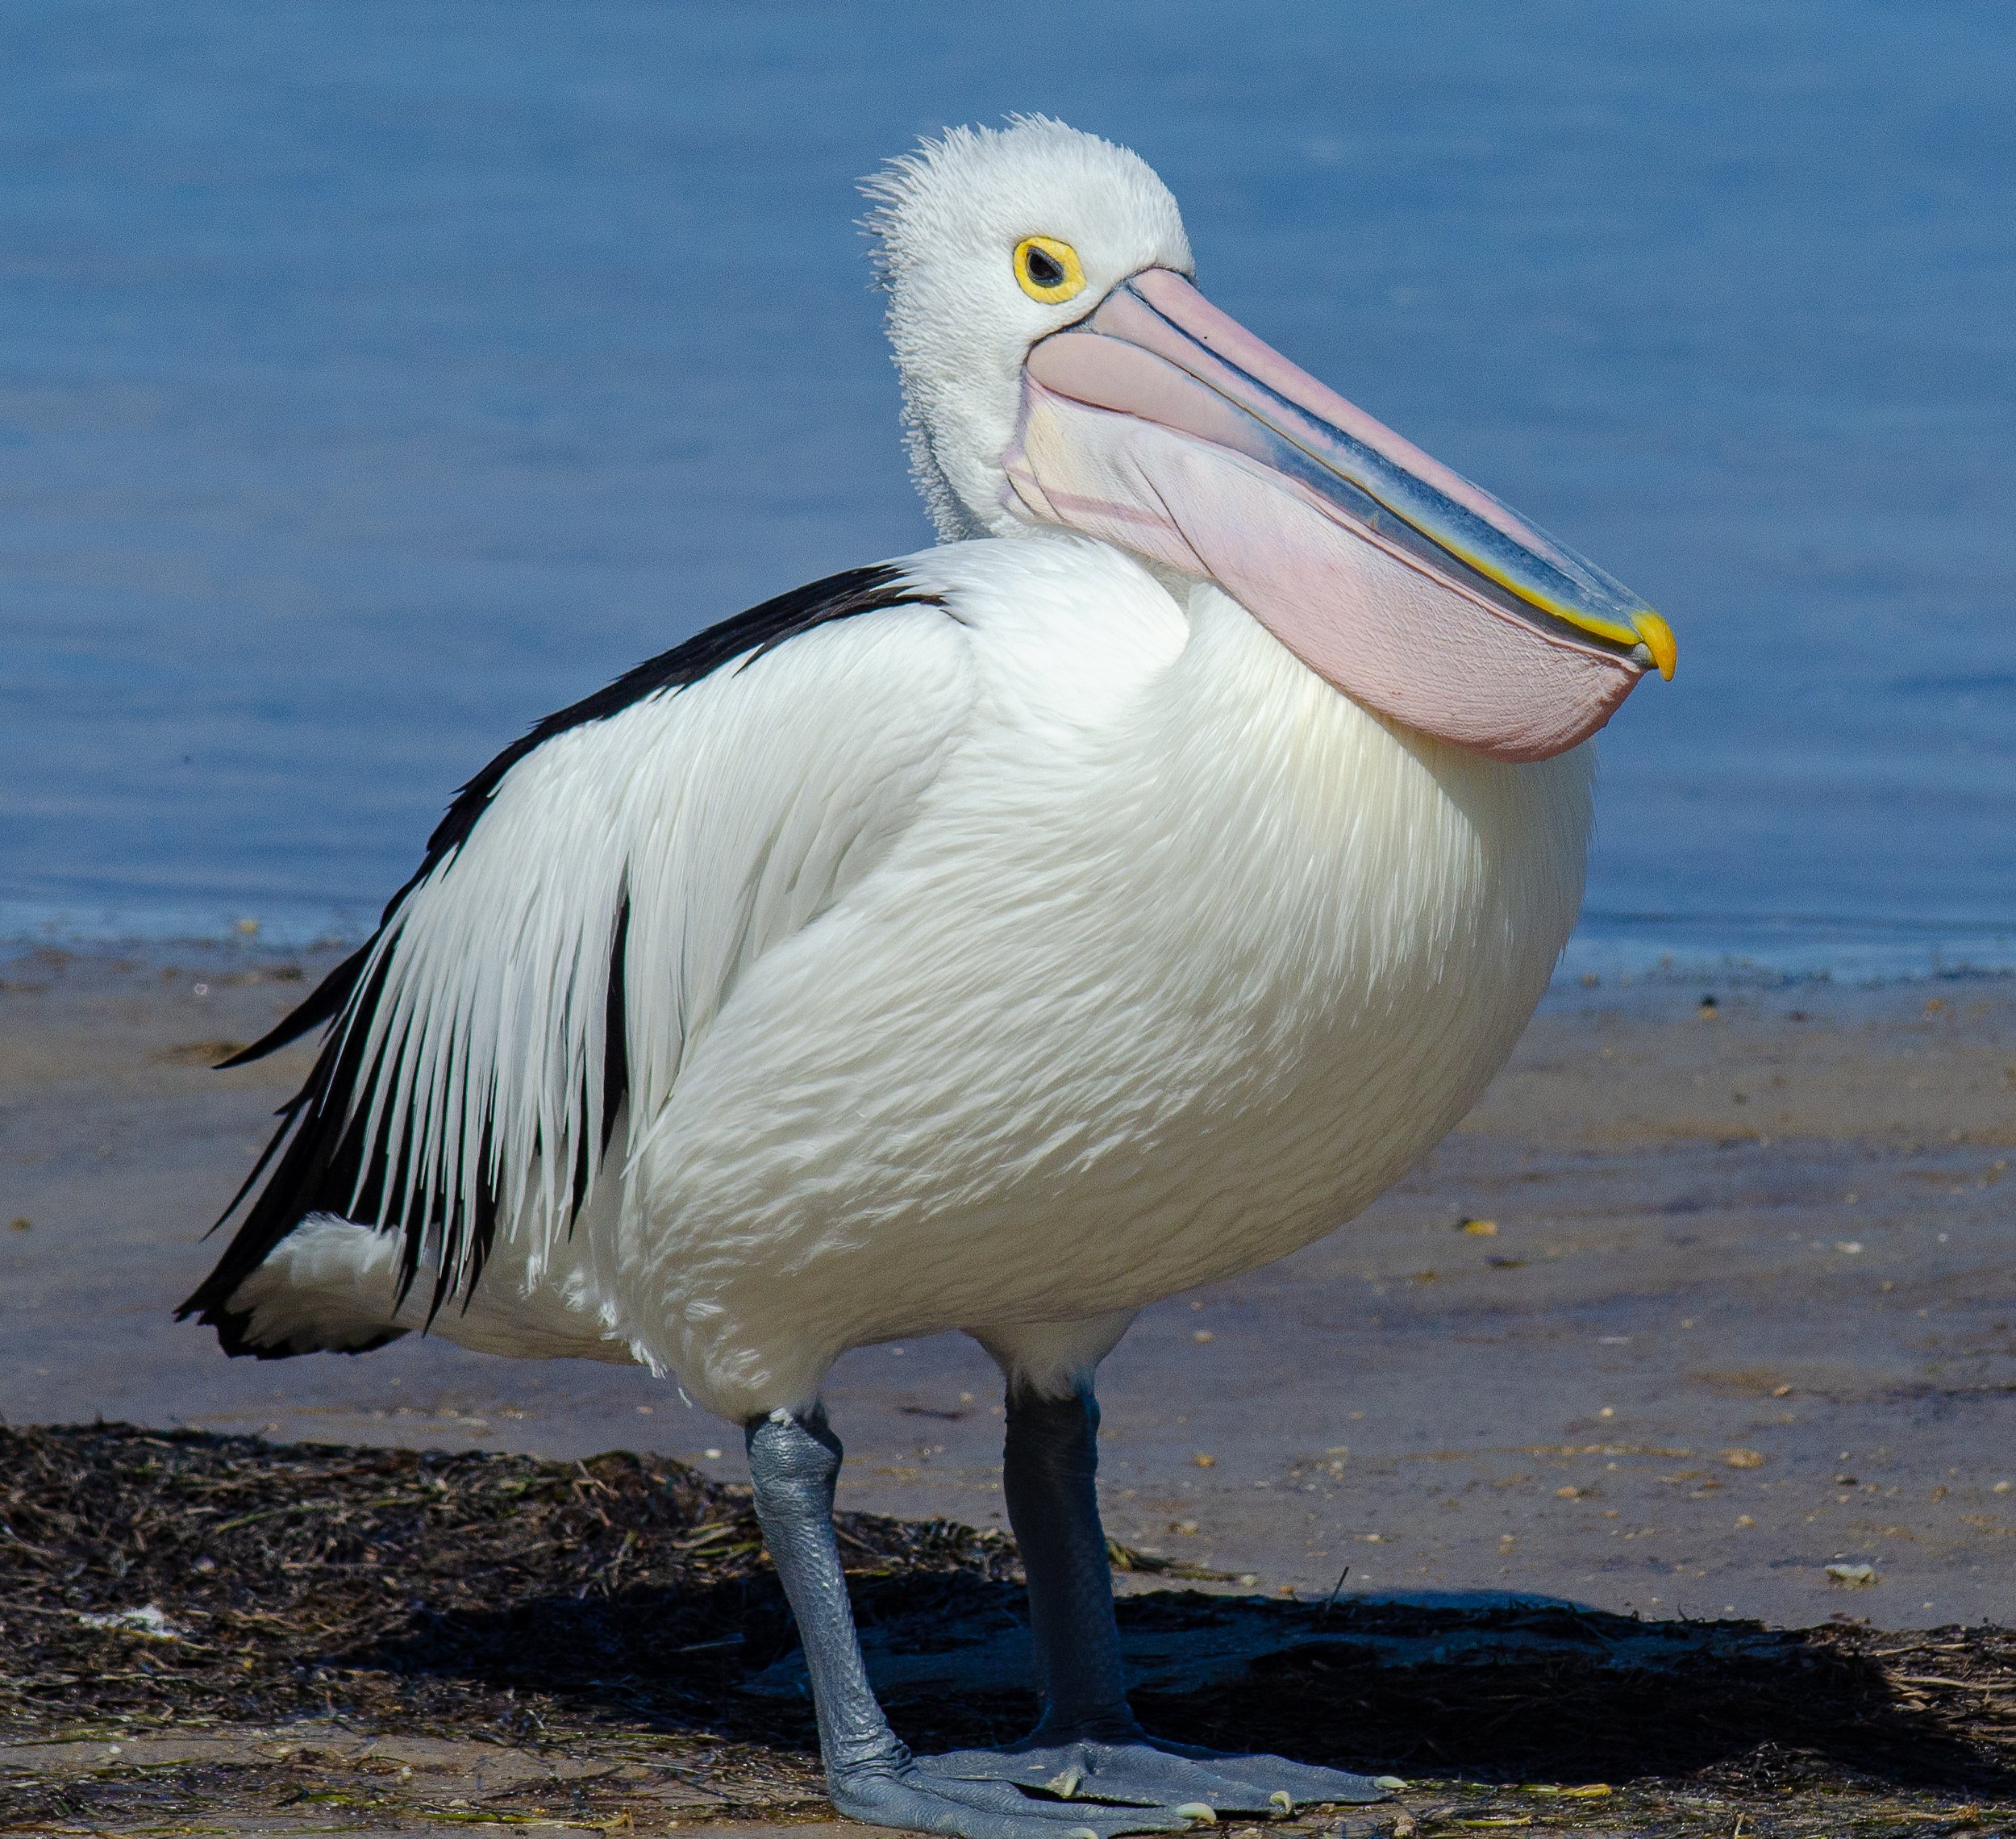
[1657, 638]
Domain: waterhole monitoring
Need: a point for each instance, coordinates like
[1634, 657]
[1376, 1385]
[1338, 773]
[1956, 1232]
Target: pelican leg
[1087, 1744]
[870, 1772]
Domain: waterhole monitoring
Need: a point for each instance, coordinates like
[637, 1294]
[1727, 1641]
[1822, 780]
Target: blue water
[375, 377]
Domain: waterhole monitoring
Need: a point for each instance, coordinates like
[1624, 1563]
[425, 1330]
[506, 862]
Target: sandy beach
[1742, 1313]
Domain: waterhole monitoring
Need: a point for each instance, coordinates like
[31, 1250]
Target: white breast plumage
[1180, 964]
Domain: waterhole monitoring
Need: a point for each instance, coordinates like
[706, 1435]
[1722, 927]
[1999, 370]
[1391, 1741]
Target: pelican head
[1061, 369]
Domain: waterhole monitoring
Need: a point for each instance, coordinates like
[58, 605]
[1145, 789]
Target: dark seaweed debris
[303, 1580]
[603, 1616]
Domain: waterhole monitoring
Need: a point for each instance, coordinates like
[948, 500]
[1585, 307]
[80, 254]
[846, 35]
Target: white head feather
[947, 219]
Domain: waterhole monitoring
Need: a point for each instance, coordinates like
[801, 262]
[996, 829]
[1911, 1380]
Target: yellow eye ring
[1048, 270]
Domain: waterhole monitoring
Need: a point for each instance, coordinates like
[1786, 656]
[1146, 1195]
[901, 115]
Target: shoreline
[1616, 951]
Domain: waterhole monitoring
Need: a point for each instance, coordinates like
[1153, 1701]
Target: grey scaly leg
[1050, 1475]
[870, 1772]
[1086, 1742]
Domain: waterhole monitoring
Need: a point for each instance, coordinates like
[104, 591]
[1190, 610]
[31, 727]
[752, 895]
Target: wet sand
[1747, 1311]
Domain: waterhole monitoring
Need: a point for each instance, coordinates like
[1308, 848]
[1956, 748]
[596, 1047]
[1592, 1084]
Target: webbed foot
[988, 1808]
[1147, 1772]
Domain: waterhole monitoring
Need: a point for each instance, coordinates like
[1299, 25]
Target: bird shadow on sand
[1490, 1690]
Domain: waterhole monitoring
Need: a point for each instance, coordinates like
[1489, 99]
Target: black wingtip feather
[320, 1005]
[616, 1027]
[234, 1326]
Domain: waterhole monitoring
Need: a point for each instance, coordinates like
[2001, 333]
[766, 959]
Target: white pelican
[1114, 898]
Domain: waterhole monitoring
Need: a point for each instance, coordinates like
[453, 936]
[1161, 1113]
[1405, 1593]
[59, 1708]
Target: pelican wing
[584, 909]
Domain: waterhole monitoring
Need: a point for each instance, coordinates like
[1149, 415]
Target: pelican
[1113, 897]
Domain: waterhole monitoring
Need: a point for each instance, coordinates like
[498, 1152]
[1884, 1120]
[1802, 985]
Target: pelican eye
[1047, 271]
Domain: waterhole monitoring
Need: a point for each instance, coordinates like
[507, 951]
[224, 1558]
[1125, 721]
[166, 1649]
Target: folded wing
[584, 910]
